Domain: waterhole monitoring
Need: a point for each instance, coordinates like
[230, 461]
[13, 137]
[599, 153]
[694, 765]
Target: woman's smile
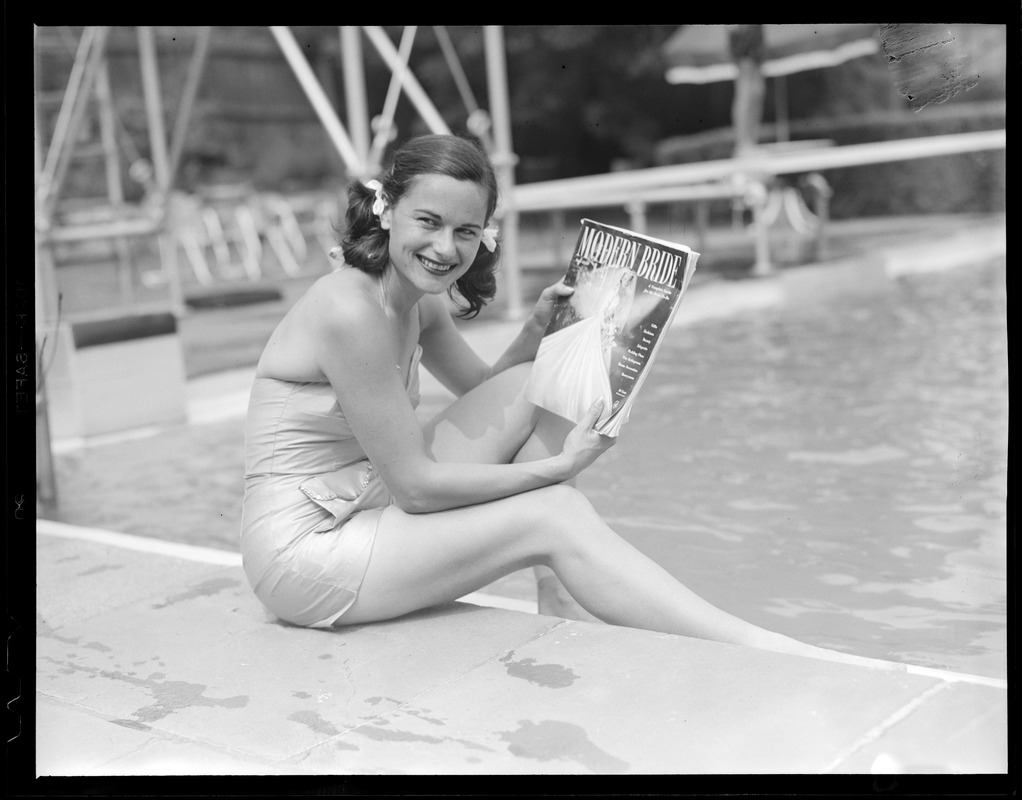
[435, 267]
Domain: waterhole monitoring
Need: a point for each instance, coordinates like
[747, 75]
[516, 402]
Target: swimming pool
[835, 470]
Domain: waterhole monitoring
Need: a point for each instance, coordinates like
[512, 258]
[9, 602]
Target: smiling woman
[355, 513]
[447, 171]
[436, 230]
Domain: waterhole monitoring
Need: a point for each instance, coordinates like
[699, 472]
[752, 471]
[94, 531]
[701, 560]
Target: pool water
[837, 470]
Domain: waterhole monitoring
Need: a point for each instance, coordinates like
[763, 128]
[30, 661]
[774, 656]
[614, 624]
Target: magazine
[602, 339]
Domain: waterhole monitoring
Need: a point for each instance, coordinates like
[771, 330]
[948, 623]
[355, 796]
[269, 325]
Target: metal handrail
[551, 195]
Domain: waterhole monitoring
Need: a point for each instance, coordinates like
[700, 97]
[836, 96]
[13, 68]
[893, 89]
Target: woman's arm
[355, 350]
[449, 358]
[445, 353]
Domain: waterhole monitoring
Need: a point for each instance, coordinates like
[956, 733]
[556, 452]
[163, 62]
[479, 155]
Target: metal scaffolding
[88, 91]
[359, 149]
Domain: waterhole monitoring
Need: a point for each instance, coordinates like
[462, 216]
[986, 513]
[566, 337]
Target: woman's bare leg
[517, 432]
[552, 598]
[420, 560]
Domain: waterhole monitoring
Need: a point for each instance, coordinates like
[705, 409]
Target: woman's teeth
[435, 266]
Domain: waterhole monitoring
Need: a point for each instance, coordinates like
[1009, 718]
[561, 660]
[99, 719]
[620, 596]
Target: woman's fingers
[593, 414]
[547, 298]
[559, 289]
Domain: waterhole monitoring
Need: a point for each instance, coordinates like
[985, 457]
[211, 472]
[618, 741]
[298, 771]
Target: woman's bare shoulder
[346, 294]
[336, 306]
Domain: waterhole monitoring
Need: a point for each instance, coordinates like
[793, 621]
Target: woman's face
[435, 231]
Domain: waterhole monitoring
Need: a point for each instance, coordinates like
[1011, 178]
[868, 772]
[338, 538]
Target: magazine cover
[602, 339]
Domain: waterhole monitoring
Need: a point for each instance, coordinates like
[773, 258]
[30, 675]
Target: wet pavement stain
[375, 700]
[553, 676]
[174, 696]
[421, 713]
[390, 735]
[100, 568]
[551, 740]
[170, 696]
[204, 589]
[43, 628]
[130, 723]
[314, 722]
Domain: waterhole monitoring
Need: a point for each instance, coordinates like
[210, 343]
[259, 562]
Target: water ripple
[838, 471]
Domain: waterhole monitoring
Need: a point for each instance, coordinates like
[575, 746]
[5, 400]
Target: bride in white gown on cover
[572, 366]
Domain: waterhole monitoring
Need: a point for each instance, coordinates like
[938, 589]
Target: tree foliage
[582, 96]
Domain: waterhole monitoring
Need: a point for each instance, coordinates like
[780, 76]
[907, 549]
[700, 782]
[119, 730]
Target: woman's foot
[795, 647]
[858, 661]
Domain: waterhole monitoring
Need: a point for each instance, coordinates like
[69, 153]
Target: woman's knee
[562, 516]
[520, 371]
[489, 424]
[566, 502]
[515, 378]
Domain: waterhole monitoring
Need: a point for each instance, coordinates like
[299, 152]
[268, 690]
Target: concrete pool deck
[154, 657]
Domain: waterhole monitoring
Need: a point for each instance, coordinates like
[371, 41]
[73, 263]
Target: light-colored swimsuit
[312, 500]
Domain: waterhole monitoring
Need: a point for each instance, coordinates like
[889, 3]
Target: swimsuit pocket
[345, 491]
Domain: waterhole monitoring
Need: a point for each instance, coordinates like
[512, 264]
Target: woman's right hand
[546, 304]
[583, 445]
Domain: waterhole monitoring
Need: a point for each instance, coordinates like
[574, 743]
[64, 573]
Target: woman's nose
[443, 242]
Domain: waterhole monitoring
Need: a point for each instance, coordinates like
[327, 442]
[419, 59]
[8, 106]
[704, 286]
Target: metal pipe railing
[561, 193]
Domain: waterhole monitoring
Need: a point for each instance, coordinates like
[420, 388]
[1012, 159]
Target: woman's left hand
[547, 299]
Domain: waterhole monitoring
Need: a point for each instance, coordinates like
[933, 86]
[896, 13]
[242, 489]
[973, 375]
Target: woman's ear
[385, 218]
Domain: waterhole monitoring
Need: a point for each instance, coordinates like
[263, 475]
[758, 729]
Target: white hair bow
[379, 203]
[489, 239]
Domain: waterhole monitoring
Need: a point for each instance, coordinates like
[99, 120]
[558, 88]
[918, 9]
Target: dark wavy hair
[366, 245]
